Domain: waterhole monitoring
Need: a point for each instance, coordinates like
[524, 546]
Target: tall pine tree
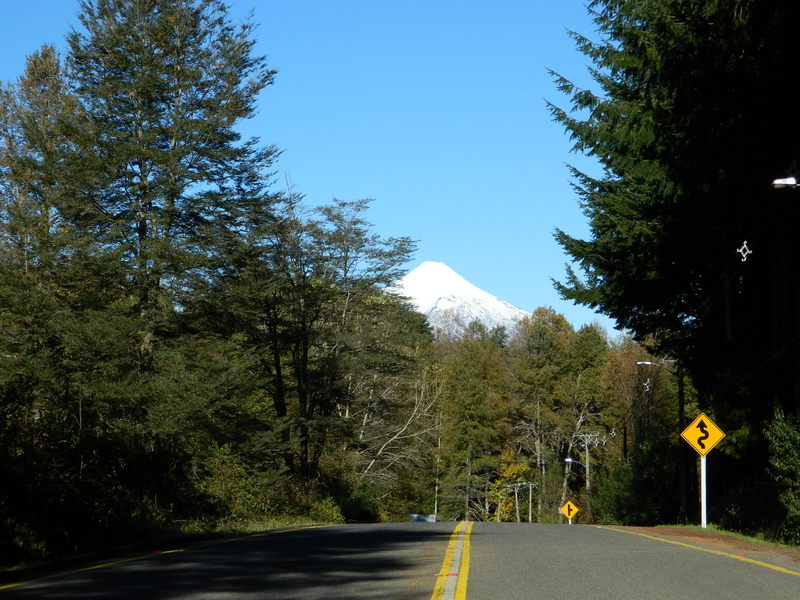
[160, 171]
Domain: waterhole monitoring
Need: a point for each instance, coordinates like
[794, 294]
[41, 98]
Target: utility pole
[682, 481]
[588, 439]
[469, 481]
[517, 485]
[588, 478]
[530, 502]
[438, 472]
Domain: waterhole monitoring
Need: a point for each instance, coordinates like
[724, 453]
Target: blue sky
[433, 108]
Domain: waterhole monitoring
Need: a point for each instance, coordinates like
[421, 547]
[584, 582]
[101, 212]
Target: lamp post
[790, 181]
[682, 478]
[587, 469]
[641, 416]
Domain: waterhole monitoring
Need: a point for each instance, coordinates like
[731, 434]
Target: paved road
[392, 561]
[424, 561]
[518, 562]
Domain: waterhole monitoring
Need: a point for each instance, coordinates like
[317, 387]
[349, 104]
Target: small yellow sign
[702, 434]
[569, 510]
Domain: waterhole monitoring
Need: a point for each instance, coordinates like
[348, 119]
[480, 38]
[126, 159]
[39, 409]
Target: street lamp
[588, 439]
[784, 182]
[641, 416]
[682, 476]
[570, 461]
[790, 181]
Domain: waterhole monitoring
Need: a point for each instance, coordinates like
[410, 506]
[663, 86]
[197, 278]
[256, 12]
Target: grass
[242, 526]
[759, 538]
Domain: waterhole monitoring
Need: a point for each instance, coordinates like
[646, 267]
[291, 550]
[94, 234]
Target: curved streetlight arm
[784, 182]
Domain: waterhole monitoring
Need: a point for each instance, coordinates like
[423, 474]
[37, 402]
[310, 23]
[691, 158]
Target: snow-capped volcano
[450, 302]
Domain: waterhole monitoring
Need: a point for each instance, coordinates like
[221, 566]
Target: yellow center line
[707, 550]
[463, 571]
[455, 565]
[303, 528]
[441, 579]
[74, 571]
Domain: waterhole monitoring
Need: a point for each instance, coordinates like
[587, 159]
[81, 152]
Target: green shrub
[326, 511]
[639, 491]
[612, 499]
[226, 483]
[783, 435]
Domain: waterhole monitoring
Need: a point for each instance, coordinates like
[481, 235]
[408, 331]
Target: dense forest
[185, 345]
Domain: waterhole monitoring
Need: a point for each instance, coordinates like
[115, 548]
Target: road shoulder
[780, 556]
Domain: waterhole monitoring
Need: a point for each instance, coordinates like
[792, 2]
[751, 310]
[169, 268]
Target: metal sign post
[703, 513]
[702, 435]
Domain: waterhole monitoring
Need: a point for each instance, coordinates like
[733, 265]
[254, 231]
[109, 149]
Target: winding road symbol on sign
[704, 429]
[702, 434]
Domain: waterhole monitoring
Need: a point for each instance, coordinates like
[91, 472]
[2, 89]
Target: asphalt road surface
[447, 561]
[510, 561]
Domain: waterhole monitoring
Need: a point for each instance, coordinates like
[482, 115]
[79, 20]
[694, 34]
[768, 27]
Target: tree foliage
[177, 340]
[690, 126]
[783, 435]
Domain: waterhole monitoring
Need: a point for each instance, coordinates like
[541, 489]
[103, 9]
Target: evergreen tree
[160, 172]
[53, 289]
[689, 126]
[476, 408]
[124, 180]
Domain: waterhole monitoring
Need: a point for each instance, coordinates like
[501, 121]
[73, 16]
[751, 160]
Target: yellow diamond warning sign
[702, 434]
[569, 510]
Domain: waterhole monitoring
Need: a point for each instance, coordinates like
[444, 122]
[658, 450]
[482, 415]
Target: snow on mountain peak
[450, 302]
[432, 281]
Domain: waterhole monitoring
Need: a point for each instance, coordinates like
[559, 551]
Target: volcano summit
[451, 303]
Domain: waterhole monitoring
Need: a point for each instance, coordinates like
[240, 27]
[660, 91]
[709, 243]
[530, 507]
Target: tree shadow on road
[389, 561]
